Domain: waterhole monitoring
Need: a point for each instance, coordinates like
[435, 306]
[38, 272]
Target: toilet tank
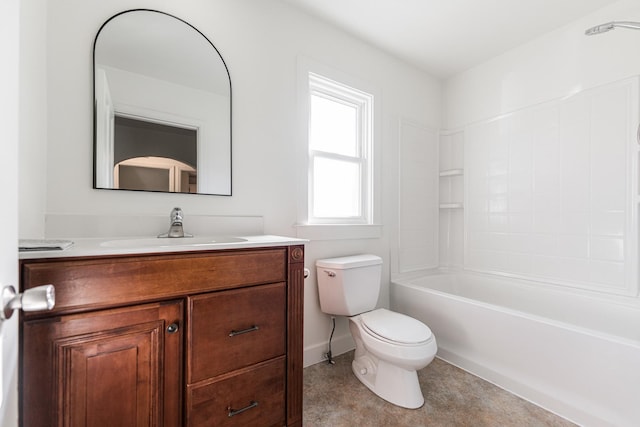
[349, 285]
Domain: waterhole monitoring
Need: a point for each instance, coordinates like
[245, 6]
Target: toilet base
[392, 383]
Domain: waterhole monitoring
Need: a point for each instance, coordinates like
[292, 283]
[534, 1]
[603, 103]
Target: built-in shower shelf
[452, 172]
[451, 206]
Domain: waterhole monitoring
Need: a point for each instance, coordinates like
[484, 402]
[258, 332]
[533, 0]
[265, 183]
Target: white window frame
[367, 225]
[363, 103]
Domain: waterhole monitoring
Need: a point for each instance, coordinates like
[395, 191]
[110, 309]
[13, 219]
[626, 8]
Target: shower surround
[543, 207]
[551, 191]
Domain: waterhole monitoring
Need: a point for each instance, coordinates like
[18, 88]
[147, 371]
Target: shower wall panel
[418, 198]
[551, 191]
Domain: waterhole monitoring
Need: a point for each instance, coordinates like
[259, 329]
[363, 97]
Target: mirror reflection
[162, 107]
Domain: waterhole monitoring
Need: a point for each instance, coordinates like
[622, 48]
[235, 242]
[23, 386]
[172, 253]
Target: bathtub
[575, 354]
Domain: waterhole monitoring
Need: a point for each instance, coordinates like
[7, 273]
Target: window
[340, 138]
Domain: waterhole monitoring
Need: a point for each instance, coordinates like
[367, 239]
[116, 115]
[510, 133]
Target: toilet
[390, 347]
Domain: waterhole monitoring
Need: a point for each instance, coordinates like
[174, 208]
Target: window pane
[333, 126]
[336, 188]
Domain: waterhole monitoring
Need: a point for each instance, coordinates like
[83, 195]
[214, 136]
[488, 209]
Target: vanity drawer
[233, 329]
[87, 284]
[251, 396]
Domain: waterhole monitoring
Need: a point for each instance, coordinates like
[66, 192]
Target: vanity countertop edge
[85, 247]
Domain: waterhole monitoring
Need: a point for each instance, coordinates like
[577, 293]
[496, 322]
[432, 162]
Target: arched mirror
[162, 107]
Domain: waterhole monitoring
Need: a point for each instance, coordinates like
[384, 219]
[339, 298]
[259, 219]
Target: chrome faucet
[175, 227]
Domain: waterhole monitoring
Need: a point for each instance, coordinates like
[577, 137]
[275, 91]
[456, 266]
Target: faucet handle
[175, 225]
[176, 214]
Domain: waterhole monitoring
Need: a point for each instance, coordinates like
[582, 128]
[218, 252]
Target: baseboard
[318, 352]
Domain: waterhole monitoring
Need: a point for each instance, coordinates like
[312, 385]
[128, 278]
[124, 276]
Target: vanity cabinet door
[107, 368]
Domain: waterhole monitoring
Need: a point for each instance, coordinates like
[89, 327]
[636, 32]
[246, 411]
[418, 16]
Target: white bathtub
[577, 355]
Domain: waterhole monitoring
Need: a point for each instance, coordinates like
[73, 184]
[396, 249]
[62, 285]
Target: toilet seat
[395, 328]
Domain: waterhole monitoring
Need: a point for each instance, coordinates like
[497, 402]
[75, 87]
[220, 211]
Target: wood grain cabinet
[194, 338]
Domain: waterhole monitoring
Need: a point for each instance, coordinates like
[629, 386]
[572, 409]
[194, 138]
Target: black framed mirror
[162, 107]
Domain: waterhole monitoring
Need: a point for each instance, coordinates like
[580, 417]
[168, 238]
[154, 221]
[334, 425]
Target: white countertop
[140, 245]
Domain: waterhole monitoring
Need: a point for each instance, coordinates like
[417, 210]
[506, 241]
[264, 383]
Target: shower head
[603, 28]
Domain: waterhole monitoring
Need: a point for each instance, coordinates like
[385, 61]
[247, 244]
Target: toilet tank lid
[353, 261]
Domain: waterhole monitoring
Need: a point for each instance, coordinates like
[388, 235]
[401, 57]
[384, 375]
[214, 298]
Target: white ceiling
[444, 37]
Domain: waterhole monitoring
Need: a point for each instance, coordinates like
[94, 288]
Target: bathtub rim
[629, 301]
[406, 279]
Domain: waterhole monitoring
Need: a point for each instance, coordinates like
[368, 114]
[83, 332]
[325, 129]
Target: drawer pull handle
[172, 328]
[243, 331]
[233, 412]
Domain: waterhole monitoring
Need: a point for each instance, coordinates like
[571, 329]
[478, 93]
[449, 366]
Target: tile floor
[334, 397]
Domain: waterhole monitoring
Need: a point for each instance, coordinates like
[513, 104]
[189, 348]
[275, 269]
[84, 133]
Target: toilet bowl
[390, 346]
[390, 349]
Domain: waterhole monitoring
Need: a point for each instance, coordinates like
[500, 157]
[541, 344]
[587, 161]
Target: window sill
[338, 231]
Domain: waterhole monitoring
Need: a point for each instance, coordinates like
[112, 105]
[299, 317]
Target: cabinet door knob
[172, 328]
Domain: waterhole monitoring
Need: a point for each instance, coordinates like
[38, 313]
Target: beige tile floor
[334, 397]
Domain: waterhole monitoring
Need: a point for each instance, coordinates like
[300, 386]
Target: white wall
[32, 151]
[555, 65]
[259, 41]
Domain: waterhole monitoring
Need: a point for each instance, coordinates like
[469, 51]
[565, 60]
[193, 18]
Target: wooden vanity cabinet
[112, 367]
[195, 338]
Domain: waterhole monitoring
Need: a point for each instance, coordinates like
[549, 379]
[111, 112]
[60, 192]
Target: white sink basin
[171, 242]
